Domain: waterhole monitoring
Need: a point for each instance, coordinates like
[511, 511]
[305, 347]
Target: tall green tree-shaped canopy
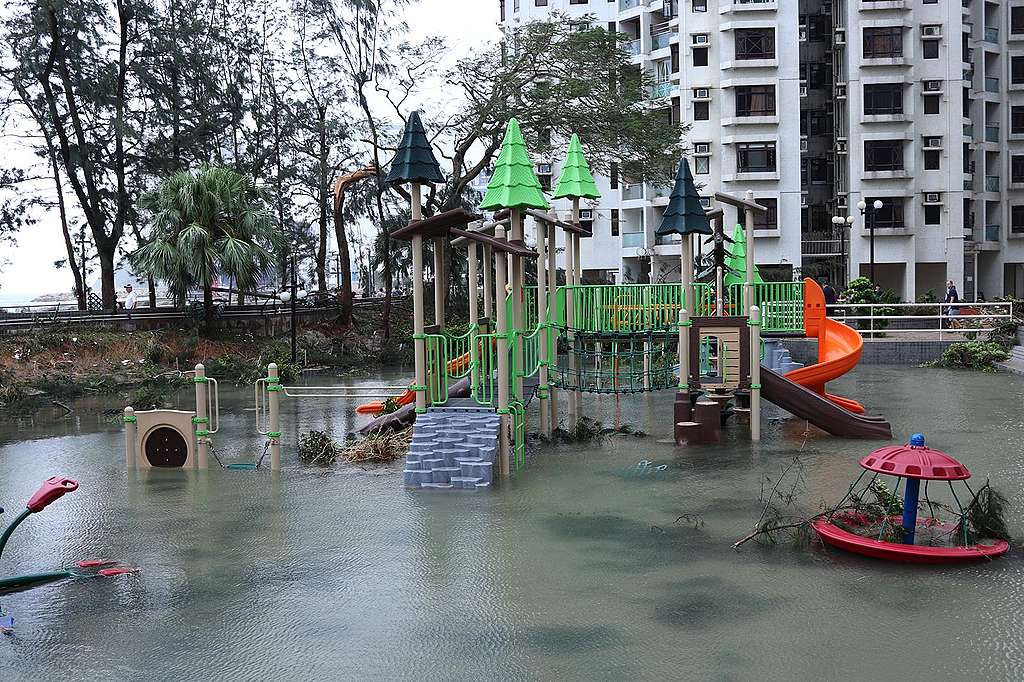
[514, 184]
[736, 260]
[414, 161]
[576, 181]
[684, 213]
[208, 223]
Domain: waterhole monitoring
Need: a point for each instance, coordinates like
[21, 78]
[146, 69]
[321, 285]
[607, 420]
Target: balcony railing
[992, 133]
[633, 240]
[992, 233]
[632, 192]
[667, 239]
[661, 90]
[632, 46]
[968, 130]
[660, 41]
[968, 185]
[991, 34]
[658, 191]
[628, 4]
[991, 84]
[822, 243]
[991, 183]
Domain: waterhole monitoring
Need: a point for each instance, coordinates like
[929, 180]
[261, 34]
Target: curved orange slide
[839, 349]
[376, 407]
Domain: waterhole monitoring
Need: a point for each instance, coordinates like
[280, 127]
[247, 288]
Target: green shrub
[980, 355]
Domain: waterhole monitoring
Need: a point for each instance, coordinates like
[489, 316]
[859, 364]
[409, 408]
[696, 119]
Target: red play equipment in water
[946, 542]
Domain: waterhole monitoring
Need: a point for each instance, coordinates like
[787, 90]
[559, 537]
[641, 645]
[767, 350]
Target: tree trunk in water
[344, 261]
[321, 251]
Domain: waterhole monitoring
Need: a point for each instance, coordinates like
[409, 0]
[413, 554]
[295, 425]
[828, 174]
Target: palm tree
[207, 223]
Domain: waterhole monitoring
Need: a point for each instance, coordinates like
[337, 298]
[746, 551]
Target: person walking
[952, 298]
[131, 299]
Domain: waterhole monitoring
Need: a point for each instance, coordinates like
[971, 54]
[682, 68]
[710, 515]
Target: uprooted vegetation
[319, 448]
[587, 430]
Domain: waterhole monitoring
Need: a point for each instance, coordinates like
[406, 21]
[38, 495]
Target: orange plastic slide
[376, 407]
[839, 349]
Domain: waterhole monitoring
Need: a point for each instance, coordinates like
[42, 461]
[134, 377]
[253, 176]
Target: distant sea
[7, 299]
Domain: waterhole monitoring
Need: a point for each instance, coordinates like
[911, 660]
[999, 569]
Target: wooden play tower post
[415, 164]
[274, 389]
[202, 420]
[575, 182]
[755, 373]
[514, 186]
[552, 274]
[131, 432]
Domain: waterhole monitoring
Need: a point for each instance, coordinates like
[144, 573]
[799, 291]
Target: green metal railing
[781, 303]
[518, 414]
[458, 347]
[485, 362]
[437, 369]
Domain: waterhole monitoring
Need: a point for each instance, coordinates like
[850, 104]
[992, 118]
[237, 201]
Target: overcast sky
[28, 267]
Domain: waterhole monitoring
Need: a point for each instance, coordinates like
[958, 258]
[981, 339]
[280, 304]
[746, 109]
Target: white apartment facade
[815, 106]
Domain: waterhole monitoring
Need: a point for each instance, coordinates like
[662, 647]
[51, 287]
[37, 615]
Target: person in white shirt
[130, 299]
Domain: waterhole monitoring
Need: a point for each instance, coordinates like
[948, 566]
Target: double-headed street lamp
[841, 223]
[863, 207]
[294, 296]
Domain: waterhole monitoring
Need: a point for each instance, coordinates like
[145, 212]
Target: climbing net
[614, 362]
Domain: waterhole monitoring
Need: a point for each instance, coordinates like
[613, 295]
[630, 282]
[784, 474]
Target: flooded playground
[577, 568]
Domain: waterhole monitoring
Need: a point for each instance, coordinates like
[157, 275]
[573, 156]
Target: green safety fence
[617, 307]
[485, 363]
[437, 369]
[518, 414]
[606, 362]
[781, 304]
[531, 345]
[459, 362]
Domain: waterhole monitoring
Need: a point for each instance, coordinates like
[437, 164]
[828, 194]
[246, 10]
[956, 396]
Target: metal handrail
[261, 404]
[1003, 310]
[344, 391]
[213, 406]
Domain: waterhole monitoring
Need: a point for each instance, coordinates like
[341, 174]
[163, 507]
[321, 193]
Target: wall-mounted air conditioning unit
[933, 143]
[700, 39]
[803, 34]
[701, 147]
[933, 198]
[931, 31]
[840, 91]
[933, 86]
[803, 91]
[840, 146]
[840, 36]
[842, 202]
[543, 169]
[803, 145]
[702, 93]
[705, 202]
[586, 214]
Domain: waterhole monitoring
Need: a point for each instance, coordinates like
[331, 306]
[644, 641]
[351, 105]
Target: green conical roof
[736, 260]
[576, 180]
[684, 214]
[514, 184]
[414, 161]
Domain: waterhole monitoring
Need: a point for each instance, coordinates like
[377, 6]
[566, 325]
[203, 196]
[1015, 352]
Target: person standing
[131, 300]
[831, 298]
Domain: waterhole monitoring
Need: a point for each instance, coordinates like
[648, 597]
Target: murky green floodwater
[575, 570]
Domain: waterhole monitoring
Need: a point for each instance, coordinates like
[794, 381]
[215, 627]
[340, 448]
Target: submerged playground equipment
[899, 533]
[702, 338]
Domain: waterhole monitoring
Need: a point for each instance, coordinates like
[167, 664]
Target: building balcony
[992, 233]
[991, 183]
[991, 34]
[633, 240]
[968, 130]
[629, 4]
[991, 84]
[667, 239]
[632, 47]
[968, 184]
[991, 133]
[658, 191]
[660, 41]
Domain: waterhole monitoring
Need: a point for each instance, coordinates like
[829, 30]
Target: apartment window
[932, 215]
[700, 56]
[755, 100]
[615, 222]
[769, 220]
[967, 103]
[932, 104]
[755, 157]
[1016, 70]
[1017, 219]
[576, 2]
[930, 49]
[932, 159]
[545, 182]
[701, 111]
[1017, 19]
[968, 163]
[881, 99]
[885, 42]
[501, 9]
[890, 216]
[540, 3]
[883, 155]
[701, 165]
[515, 5]
[755, 43]
[700, 5]
[613, 175]
[1017, 120]
[1016, 168]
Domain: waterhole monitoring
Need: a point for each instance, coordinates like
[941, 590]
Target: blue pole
[910, 497]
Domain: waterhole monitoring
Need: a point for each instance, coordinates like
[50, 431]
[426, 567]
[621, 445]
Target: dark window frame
[1017, 168]
[883, 99]
[768, 220]
[884, 155]
[747, 153]
[890, 216]
[755, 43]
[882, 42]
[1017, 219]
[755, 100]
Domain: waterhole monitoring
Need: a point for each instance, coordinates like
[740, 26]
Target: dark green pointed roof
[684, 213]
[576, 180]
[514, 184]
[414, 161]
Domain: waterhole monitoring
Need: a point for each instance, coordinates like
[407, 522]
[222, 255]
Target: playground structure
[702, 338]
[898, 534]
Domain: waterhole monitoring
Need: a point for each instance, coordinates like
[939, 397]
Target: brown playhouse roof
[437, 225]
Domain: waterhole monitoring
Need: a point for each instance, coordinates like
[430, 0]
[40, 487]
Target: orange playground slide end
[375, 407]
[839, 349]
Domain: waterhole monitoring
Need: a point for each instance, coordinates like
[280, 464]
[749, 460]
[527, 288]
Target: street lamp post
[863, 206]
[293, 295]
[842, 223]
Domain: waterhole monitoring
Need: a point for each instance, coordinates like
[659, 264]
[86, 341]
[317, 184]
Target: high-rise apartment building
[821, 107]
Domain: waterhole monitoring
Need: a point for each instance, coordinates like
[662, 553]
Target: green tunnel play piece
[576, 180]
[736, 260]
[514, 184]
